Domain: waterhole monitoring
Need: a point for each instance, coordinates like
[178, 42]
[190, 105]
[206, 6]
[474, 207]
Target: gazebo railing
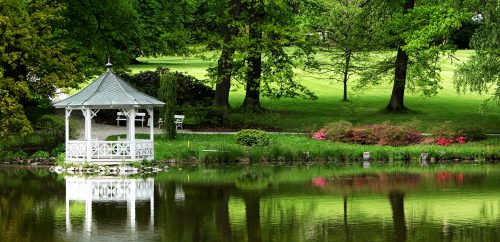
[109, 150]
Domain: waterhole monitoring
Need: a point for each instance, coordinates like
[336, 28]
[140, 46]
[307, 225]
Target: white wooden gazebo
[109, 91]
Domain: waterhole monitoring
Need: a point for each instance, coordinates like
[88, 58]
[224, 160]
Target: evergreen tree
[167, 93]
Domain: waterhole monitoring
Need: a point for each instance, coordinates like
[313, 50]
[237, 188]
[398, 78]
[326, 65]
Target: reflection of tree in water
[27, 205]
[204, 214]
[398, 215]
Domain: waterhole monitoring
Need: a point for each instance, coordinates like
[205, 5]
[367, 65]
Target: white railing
[76, 150]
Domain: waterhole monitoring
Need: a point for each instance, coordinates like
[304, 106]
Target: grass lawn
[365, 106]
[301, 148]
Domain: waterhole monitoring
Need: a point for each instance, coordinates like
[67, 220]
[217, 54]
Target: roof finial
[109, 65]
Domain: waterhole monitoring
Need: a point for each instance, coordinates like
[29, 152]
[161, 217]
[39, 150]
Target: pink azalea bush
[320, 135]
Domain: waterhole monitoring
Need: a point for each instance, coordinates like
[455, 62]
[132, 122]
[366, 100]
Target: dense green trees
[33, 62]
[482, 71]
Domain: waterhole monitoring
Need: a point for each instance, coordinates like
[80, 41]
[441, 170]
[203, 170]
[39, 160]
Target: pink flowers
[320, 135]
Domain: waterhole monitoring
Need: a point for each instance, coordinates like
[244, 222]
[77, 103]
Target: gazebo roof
[109, 91]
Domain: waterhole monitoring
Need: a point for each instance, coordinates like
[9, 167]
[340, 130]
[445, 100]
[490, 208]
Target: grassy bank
[301, 148]
[365, 106]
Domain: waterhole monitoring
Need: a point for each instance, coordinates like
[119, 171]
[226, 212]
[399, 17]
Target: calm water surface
[317, 203]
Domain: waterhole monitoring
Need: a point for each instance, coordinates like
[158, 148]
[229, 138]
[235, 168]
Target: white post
[88, 132]
[66, 124]
[131, 203]
[131, 132]
[151, 128]
[88, 211]
[68, 218]
[152, 132]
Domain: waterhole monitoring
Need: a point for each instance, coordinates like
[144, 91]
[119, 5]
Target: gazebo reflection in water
[109, 190]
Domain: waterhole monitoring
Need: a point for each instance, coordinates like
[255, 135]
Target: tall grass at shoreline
[302, 149]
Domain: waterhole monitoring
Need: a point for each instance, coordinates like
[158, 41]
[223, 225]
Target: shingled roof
[109, 91]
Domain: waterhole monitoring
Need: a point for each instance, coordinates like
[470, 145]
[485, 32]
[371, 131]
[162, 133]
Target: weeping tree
[167, 93]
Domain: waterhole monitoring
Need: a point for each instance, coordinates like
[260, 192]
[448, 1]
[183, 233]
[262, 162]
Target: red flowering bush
[445, 135]
[446, 141]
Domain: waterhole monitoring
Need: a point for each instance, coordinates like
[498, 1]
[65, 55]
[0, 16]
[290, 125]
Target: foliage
[344, 32]
[168, 94]
[52, 125]
[338, 131]
[21, 155]
[61, 159]
[482, 71]
[190, 91]
[40, 154]
[472, 133]
[380, 134]
[420, 34]
[252, 138]
[33, 60]
[61, 148]
[199, 115]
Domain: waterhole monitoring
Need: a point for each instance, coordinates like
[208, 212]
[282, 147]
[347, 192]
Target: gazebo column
[151, 131]
[87, 113]
[131, 132]
[66, 125]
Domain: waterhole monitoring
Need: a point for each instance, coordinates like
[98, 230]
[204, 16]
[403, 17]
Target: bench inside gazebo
[109, 91]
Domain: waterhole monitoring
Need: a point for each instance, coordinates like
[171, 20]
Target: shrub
[252, 137]
[189, 89]
[472, 134]
[380, 134]
[40, 154]
[339, 131]
[61, 148]
[320, 135]
[21, 155]
[197, 115]
[444, 131]
[54, 126]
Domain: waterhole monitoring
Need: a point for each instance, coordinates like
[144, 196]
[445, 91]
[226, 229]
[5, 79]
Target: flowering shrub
[446, 141]
[380, 134]
[320, 135]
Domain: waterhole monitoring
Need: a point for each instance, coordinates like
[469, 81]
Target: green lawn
[365, 106]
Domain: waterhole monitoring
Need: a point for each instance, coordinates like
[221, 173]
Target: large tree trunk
[396, 104]
[398, 215]
[225, 63]
[252, 96]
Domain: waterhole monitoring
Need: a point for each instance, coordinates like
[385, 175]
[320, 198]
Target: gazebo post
[151, 130]
[66, 125]
[88, 132]
[131, 132]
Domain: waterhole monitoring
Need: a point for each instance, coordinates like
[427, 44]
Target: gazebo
[109, 91]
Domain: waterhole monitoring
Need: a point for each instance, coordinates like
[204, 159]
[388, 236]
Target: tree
[482, 70]
[230, 30]
[34, 61]
[167, 92]
[344, 34]
[262, 61]
[419, 31]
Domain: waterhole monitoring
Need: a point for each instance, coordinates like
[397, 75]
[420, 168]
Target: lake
[254, 203]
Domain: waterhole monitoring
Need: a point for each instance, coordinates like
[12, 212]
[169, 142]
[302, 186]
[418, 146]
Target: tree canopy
[33, 62]
[481, 73]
